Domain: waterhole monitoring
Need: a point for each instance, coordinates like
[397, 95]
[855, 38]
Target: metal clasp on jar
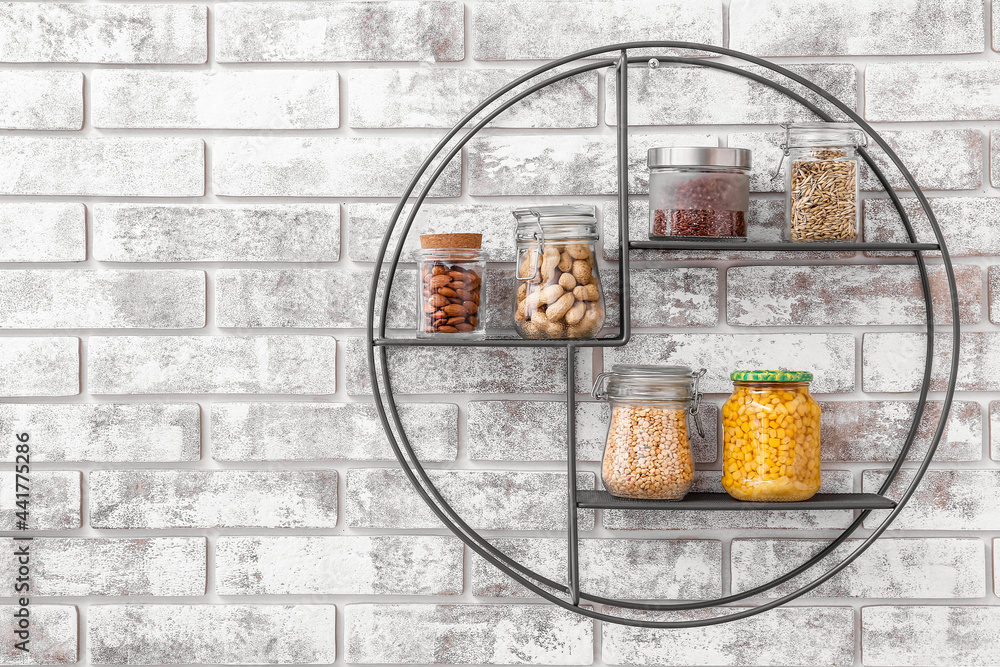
[539, 237]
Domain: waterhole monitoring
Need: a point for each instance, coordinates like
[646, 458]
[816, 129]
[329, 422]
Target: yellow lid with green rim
[771, 376]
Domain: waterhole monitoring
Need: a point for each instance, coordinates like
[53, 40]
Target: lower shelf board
[723, 501]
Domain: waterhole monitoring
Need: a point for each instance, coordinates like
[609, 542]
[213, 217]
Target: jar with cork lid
[648, 451]
[450, 293]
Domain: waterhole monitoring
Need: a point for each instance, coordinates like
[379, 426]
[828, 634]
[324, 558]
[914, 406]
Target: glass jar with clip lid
[648, 451]
[559, 291]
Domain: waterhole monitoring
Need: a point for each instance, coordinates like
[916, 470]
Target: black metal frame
[376, 339]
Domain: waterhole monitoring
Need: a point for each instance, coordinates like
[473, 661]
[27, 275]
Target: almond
[439, 281]
[455, 310]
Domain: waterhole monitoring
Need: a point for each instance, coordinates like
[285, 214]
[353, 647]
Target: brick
[328, 432]
[41, 100]
[442, 97]
[621, 569]
[213, 498]
[702, 96]
[710, 481]
[90, 33]
[362, 565]
[212, 364]
[937, 159]
[924, 635]
[524, 30]
[890, 568]
[563, 164]
[301, 298]
[667, 297]
[485, 499]
[40, 366]
[206, 233]
[951, 90]
[122, 432]
[269, 99]
[830, 357]
[895, 361]
[970, 225]
[995, 152]
[870, 27]
[800, 636]
[43, 232]
[467, 634]
[995, 430]
[857, 295]
[141, 566]
[55, 499]
[368, 223]
[994, 294]
[944, 500]
[536, 431]
[53, 636]
[253, 32]
[244, 634]
[493, 370]
[103, 166]
[768, 216]
[876, 430]
[324, 167]
[102, 299]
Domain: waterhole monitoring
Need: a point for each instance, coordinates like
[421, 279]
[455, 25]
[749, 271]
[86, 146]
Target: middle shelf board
[827, 246]
[723, 501]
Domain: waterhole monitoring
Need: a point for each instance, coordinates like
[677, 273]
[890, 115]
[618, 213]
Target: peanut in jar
[771, 426]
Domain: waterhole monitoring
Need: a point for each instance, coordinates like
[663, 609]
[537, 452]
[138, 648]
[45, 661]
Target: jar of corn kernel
[771, 437]
[648, 452]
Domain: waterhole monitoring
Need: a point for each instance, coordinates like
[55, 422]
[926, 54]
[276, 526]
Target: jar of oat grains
[821, 181]
[648, 451]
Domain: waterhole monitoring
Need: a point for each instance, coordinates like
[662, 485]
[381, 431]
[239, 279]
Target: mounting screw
[653, 63]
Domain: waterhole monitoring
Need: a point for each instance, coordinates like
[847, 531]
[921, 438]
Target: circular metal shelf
[568, 595]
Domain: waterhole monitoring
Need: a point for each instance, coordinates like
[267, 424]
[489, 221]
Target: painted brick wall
[191, 196]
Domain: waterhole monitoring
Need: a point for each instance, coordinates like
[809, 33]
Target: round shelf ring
[417, 475]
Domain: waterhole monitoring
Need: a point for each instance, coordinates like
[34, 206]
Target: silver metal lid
[698, 156]
[569, 221]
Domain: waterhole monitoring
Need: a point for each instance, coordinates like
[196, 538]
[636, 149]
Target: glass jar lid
[810, 135]
[651, 383]
[564, 222]
[771, 376]
[698, 156]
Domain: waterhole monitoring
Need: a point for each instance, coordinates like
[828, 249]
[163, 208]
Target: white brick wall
[192, 196]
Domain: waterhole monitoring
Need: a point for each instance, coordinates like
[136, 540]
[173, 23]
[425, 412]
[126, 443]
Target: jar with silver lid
[559, 293]
[698, 192]
[648, 451]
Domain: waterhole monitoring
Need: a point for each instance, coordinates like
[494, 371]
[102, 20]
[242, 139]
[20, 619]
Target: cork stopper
[445, 241]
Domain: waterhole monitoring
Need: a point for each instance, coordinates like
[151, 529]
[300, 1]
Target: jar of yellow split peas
[771, 442]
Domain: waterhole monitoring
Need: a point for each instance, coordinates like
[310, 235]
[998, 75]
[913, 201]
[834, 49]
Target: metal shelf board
[406, 341]
[723, 501]
[827, 246]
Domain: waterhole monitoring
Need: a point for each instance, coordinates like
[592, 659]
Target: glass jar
[450, 292]
[821, 181]
[648, 452]
[771, 437]
[559, 291]
[698, 192]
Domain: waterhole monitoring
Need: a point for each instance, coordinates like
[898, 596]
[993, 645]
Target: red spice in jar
[699, 222]
[696, 211]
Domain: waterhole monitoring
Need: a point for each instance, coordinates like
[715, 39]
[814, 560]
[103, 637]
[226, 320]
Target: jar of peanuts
[821, 181]
[559, 291]
[771, 441]
[450, 292]
[698, 192]
[648, 452]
